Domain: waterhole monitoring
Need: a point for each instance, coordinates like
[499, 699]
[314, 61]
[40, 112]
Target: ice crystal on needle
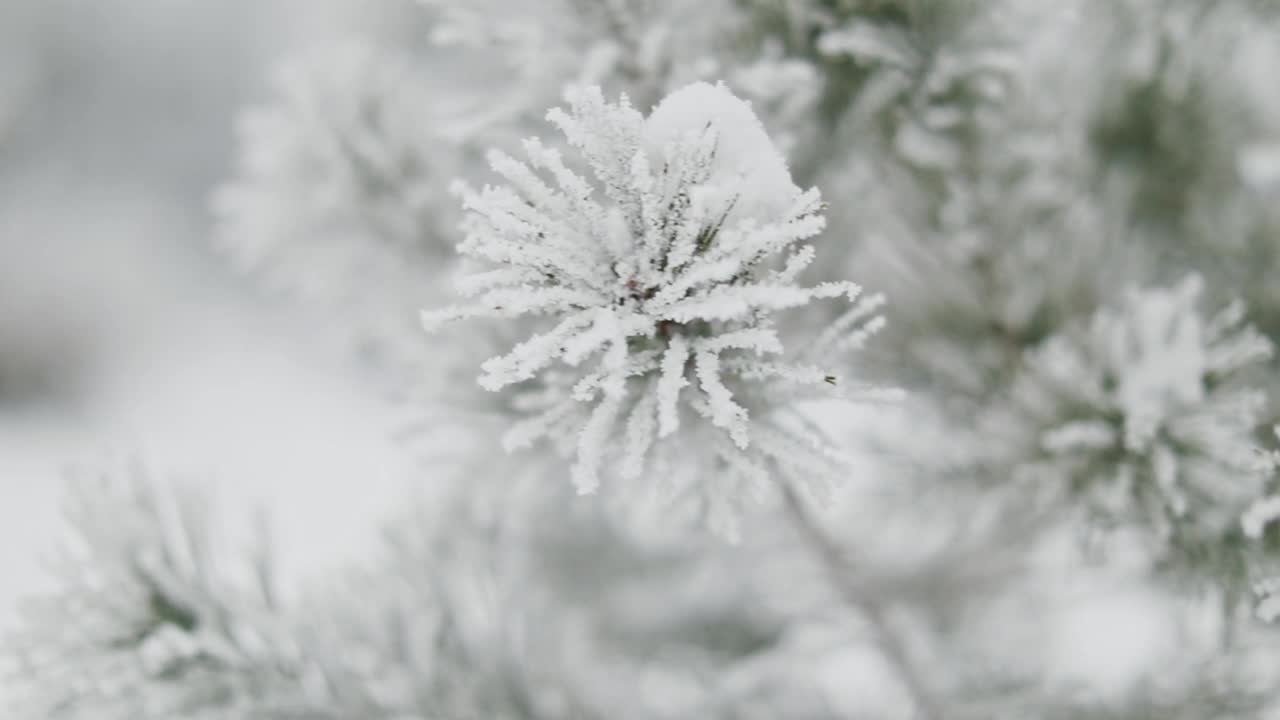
[661, 272]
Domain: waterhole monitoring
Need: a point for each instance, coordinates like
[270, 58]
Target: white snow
[746, 158]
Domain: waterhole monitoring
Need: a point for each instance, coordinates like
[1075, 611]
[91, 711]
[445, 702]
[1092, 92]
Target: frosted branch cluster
[152, 619]
[660, 274]
[337, 184]
[1138, 410]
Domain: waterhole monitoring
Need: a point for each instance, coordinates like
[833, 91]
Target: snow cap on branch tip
[745, 157]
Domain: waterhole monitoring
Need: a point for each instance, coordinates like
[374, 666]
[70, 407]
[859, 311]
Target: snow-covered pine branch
[1140, 412]
[1259, 524]
[658, 276]
[150, 618]
[340, 196]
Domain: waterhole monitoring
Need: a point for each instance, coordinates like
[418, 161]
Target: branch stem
[871, 607]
